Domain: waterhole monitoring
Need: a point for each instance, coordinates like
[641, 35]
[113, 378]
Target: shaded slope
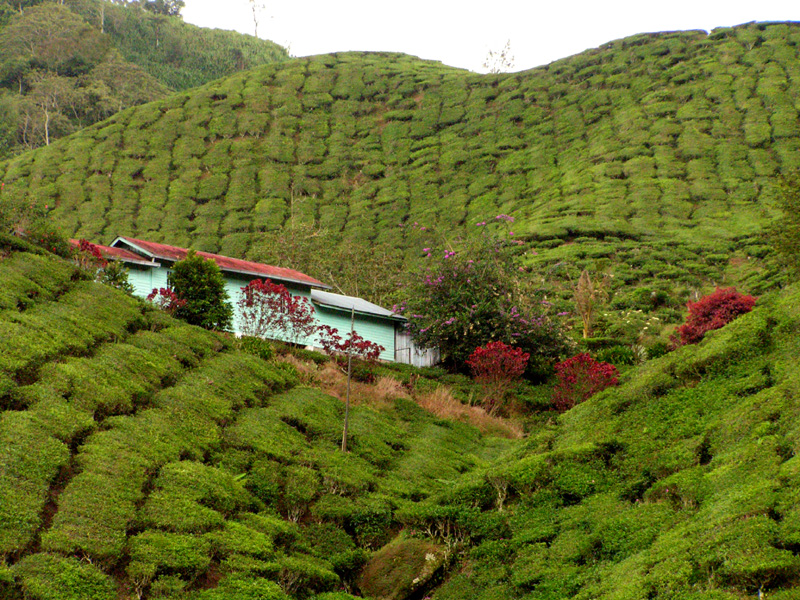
[675, 135]
[64, 66]
[681, 483]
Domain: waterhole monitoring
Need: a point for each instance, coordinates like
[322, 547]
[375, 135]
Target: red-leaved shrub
[166, 300]
[497, 366]
[268, 310]
[89, 257]
[713, 312]
[333, 343]
[579, 378]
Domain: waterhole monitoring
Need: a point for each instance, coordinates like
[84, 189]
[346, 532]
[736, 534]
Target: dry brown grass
[331, 379]
[441, 403]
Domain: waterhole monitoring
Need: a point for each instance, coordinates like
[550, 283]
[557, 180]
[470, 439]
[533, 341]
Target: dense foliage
[200, 285]
[169, 464]
[166, 462]
[579, 378]
[65, 65]
[785, 233]
[712, 312]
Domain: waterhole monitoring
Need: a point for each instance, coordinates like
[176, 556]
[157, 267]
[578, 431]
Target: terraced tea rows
[671, 138]
[141, 456]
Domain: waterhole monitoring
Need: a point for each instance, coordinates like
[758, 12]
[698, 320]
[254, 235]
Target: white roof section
[348, 303]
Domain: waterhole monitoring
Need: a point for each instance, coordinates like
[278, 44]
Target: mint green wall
[144, 279]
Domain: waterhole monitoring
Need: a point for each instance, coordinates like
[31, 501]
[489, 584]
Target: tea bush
[51, 577]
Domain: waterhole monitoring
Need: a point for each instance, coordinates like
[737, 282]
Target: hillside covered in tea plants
[656, 155]
[145, 458]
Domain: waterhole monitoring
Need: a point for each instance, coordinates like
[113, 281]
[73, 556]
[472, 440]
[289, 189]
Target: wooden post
[349, 376]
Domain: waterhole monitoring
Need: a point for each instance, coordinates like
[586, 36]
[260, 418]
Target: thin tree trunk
[349, 377]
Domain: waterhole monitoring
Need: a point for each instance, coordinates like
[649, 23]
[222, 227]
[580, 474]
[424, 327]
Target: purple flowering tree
[470, 293]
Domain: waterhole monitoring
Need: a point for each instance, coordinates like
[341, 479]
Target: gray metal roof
[348, 303]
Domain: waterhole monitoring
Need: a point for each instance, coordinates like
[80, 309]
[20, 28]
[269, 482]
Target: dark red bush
[580, 378]
[497, 366]
[166, 299]
[713, 312]
[333, 344]
[89, 257]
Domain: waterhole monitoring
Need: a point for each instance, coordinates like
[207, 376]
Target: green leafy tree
[201, 284]
[51, 37]
[353, 267]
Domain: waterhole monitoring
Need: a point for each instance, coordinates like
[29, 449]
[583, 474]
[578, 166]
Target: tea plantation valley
[145, 458]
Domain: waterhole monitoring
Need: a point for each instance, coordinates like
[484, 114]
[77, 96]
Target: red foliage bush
[713, 312]
[267, 309]
[580, 378]
[89, 257]
[166, 300]
[496, 366]
[497, 360]
[333, 343]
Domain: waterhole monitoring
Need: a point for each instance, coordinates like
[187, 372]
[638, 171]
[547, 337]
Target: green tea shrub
[29, 279]
[306, 574]
[300, 485]
[154, 552]
[191, 497]
[87, 314]
[256, 346]
[313, 413]
[236, 538]
[258, 429]
[283, 533]
[51, 577]
[238, 587]
[25, 477]
[167, 586]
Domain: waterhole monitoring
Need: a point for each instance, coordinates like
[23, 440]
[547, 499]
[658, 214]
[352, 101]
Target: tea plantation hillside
[657, 153]
[682, 483]
[144, 458]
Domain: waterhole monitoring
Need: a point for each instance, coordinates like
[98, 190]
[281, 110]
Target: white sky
[461, 32]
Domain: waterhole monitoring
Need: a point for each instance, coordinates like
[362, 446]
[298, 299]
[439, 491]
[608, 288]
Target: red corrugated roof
[119, 254]
[226, 263]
